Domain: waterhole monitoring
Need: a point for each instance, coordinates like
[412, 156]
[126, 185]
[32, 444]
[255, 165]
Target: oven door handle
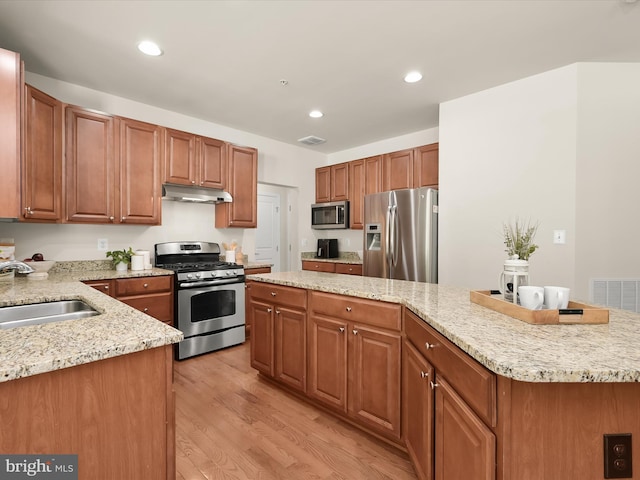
[211, 283]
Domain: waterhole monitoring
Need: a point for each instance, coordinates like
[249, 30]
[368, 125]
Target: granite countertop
[506, 346]
[344, 257]
[118, 330]
[257, 265]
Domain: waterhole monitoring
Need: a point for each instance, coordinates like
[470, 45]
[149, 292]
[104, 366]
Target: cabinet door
[261, 336]
[323, 184]
[356, 194]
[398, 170]
[327, 376]
[212, 162]
[459, 431]
[425, 171]
[140, 195]
[375, 369]
[242, 184]
[417, 410]
[10, 100]
[291, 347]
[90, 166]
[179, 157]
[104, 286]
[373, 175]
[339, 182]
[42, 160]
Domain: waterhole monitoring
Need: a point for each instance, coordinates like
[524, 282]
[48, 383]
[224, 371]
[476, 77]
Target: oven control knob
[189, 275]
[198, 275]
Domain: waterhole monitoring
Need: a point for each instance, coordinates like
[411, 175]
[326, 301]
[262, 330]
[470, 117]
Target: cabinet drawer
[349, 268]
[290, 296]
[329, 267]
[472, 381]
[256, 270]
[352, 309]
[104, 286]
[159, 306]
[142, 285]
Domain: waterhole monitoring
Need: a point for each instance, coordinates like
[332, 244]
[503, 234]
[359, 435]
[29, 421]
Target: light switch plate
[560, 237]
[103, 244]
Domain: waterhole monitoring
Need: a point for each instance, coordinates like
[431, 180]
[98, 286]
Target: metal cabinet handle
[269, 310]
[145, 310]
[123, 219]
[433, 385]
[277, 312]
[424, 374]
[111, 219]
[193, 182]
[341, 329]
[355, 332]
[106, 287]
[28, 211]
[145, 285]
[273, 294]
[428, 345]
[348, 309]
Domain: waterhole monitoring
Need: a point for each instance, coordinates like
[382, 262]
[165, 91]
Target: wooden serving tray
[575, 313]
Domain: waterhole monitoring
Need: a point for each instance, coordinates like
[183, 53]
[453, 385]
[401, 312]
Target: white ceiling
[224, 60]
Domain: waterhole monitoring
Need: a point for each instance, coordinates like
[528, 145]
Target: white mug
[531, 297]
[230, 256]
[556, 297]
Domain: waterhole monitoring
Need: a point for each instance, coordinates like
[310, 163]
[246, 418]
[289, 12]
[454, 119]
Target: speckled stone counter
[506, 346]
[118, 330]
[344, 257]
[257, 265]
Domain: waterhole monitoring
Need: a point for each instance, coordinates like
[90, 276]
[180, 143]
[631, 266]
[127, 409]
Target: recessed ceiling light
[149, 48]
[413, 77]
[315, 114]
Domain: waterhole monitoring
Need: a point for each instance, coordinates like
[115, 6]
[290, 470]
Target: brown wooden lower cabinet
[116, 414]
[332, 267]
[458, 420]
[150, 295]
[247, 321]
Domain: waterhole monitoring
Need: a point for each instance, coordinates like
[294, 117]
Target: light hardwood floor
[232, 425]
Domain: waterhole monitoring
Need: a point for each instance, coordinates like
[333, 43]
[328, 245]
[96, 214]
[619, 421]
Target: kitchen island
[521, 401]
[99, 387]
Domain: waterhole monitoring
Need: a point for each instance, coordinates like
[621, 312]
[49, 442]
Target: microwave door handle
[337, 214]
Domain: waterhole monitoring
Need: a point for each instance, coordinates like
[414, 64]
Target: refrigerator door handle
[392, 236]
[388, 236]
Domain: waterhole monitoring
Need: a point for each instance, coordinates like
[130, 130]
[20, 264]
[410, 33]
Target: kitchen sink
[47, 312]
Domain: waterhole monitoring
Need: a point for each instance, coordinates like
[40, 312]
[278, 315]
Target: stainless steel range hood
[182, 193]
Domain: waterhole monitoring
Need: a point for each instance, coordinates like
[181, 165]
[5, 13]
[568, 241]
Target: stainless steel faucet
[16, 265]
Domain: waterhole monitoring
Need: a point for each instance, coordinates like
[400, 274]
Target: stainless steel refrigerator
[401, 235]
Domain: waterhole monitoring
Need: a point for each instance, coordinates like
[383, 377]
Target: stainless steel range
[209, 296]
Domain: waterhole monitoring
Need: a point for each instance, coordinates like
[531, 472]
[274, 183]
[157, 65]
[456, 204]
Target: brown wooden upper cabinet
[398, 170]
[332, 183]
[356, 193]
[373, 175]
[194, 160]
[42, 158]
[10, 119]
[425, 166]
[112, 169]
[242, 184]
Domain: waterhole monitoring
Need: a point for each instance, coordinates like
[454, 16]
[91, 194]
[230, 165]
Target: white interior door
[268, 231]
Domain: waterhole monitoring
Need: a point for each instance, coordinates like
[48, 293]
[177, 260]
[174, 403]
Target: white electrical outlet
[103, 244]
[560, 237]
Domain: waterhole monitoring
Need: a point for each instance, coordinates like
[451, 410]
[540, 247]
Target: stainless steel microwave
[332, 215]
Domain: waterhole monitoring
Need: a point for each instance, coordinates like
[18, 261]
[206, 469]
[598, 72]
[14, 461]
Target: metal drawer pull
[434, 385]
[145, 310]
[348, 309]
[106, 287]
[269, 310]
[429, 345]
[355, 332]
[273, 294]
[424, 375]
[278, 312]
[341, 329]
[145, 285]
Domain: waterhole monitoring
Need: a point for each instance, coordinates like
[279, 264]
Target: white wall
[278, 164]
[508, 152]
[608, 195]
[562, 148]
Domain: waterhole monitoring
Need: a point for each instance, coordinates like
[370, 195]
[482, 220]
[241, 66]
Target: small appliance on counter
[327, 248]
